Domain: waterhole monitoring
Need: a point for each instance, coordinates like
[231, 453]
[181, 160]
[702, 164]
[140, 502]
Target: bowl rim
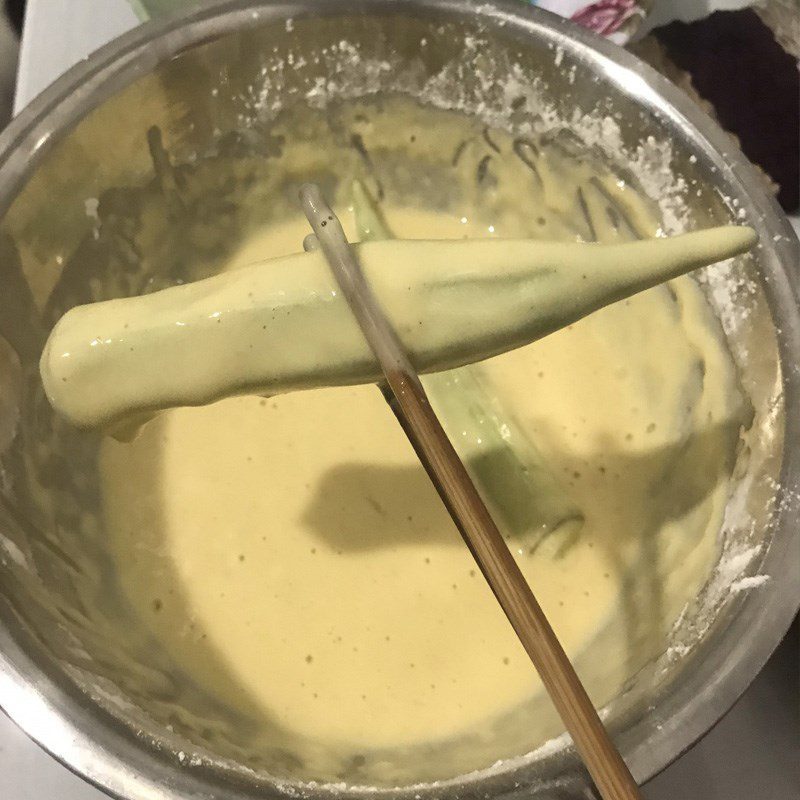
[55, 714]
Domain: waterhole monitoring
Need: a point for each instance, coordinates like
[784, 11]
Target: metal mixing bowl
[200, 79]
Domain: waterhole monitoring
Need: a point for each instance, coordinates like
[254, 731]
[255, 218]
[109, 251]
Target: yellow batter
[289, 555]
[282, 324]
[297, 540]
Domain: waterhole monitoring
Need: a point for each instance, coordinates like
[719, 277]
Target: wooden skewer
[406, 396]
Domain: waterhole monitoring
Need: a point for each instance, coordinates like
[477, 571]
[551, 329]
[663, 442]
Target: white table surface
[753, 754]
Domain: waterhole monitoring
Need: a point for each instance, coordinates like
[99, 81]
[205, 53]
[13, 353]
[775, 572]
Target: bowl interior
[90, 215]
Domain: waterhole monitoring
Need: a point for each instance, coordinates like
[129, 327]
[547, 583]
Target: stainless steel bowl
[198, 80]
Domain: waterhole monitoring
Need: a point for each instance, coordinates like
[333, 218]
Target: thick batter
[289, 555]
[292, 556]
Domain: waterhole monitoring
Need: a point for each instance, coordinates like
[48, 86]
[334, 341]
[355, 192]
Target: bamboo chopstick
[407, 399]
